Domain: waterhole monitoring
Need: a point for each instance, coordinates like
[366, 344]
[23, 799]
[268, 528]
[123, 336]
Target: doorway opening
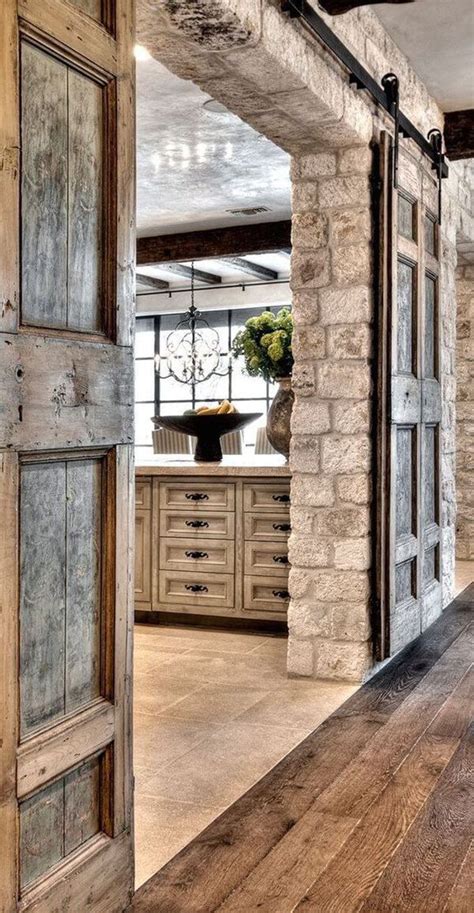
[214, 708]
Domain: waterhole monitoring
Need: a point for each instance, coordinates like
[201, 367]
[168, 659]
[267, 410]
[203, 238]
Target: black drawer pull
[197, 496]
[197, 524]
[280, 559]
[282, 527]
[281, 594]
[196, 588]
[283, 499]
[196, 554]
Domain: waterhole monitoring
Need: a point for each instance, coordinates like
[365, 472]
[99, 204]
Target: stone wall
[331, 446]
[267, 69]
[465, 413]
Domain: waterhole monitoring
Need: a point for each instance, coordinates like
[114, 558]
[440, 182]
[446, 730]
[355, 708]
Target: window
[155, 395]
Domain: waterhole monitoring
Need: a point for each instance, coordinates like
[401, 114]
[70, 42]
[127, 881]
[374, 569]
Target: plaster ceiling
[194, 165]
[438, 39]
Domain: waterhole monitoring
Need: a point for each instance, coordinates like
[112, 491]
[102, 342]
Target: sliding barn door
[66, 394]
[410, 403]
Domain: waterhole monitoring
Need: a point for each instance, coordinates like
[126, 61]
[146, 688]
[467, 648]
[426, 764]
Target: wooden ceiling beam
[337, 7]
[253, 269]
[217, 242]
[187, 272]
[459, 134]
[152, 281]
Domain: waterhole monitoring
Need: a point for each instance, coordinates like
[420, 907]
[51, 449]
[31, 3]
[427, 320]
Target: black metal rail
[359, 76]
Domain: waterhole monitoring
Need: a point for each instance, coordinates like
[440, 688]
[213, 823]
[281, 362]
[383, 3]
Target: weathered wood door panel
[66, 459]
[409, 555]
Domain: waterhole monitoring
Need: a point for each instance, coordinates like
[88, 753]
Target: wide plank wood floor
[372, 813]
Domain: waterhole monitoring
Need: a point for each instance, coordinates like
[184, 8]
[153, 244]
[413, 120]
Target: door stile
[8, 679]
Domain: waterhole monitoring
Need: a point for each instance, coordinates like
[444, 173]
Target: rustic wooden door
[66, 399]
[409, 504]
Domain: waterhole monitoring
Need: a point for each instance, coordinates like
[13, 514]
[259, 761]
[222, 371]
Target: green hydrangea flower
[266, 345]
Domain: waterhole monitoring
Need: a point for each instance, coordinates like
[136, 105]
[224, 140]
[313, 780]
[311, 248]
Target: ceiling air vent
[251, 211]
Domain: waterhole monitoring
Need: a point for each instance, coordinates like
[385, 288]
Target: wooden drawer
[197, 496]
[213, 525]
[258, 496]
[187, 555]
[143, 493]
[267, 526]
[267, 558]
[265, 594]
[142, 555]
[197, 589]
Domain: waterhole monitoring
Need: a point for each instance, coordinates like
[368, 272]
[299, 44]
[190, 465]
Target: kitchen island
[212, 539]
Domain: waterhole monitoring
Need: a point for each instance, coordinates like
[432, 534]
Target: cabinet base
[216, 622]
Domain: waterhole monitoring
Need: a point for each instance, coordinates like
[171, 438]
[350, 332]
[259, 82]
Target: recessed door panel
[406, 316]
[60, 604]
[62, 194]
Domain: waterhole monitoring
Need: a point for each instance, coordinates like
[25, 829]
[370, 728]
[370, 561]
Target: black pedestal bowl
[208, 429]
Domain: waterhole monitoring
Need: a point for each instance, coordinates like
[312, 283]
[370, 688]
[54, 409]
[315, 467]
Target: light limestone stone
[305, 307]
[309, 230]
[354, 489]
[347, 305]
[309, 269]
[333, 378]
[309, 342]
[345, 453]
[310, 416]
[300, 656]
[313, 166]
[342, 661]
[334, 523]
[333, 585]
[349, 226]
[304, 456]
[304, 196]
[351, 417]
[344, 191]
[350, 622]
[303, 381]
[349, 341]
[351, 264]
[357, 160]
[312, 491]
[352, 554]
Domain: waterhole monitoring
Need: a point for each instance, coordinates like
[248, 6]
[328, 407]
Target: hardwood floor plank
[206, 872]
[355, 870]
[354, 853]
[422, 873]
[460, 898]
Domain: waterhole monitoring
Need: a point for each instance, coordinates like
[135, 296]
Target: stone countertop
[174, 465]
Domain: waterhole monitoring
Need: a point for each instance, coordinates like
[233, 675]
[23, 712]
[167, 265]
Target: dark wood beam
[253, 269]
[152, 281]
[199, 274]
[337, 7]
[459, 134]
[216, 242]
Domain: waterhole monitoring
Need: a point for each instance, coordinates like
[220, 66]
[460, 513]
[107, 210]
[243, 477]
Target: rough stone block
[304, 456]
[300, 656]
[304, 196]
[342, 522]
[309, 619]
[333, 585]
[354, 489]
[350, 621]
[309, 269]
[305, 307]
[345, 305]
[351, 264]
[355, 161]
[351, 417]
[349, 341]
[310, 416]
[309, 230]
[342, 661]
[349, 226]
[333, 378]
[303, 381]
[346, 453]
[309, 167]
[309, 342]
[352, 554]
[344, 191]
[312, 491]
[309, 552]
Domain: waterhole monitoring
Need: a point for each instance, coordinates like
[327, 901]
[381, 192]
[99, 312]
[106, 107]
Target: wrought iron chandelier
[193, 350]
